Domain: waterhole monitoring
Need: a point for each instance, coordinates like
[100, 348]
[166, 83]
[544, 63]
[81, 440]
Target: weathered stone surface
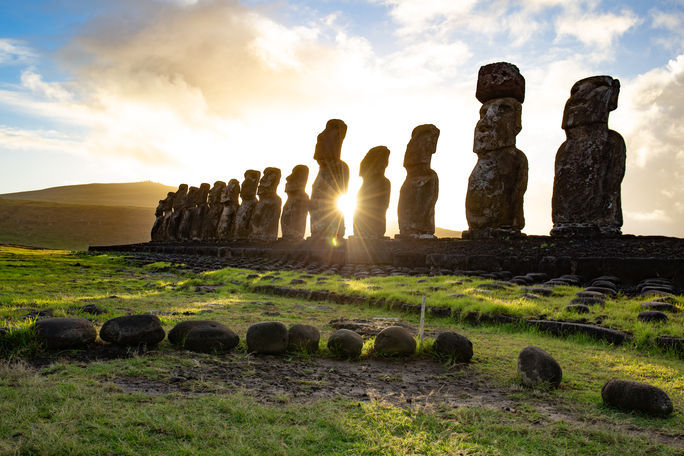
[133, 330]
[212, 215]
[500, 80]
[303, 337]
[188, 204]
[162, 211]
[454, 346]
[497, 184]
[372, 200]
[58, 333]
[296, 208]
[578, 308]
[395, 341]
[198, 212]
[227, 225]
[537, 368]
[345, 343]
[419, 193]
[203, 336]
[267, 337]
[590, 164]
[327, 221]
[266, 216]
[660, 306]
[652, 316]
[249, 202]
[634, 396]
[172, 221]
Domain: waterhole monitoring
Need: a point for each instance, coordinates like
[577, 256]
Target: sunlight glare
[347, 204]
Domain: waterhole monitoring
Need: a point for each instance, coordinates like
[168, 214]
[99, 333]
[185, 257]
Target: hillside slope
[137, 194]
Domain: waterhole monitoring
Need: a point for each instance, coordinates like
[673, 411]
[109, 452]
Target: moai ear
[615, 92]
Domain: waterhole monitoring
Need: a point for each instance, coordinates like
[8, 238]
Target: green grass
[77, 407]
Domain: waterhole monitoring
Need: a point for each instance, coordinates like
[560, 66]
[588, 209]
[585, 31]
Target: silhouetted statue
[327, 221]
[249, 201]
[418, 195]
[590, 164]
[198, 212]
[213, 214]
[229, 204]
[494, 201]
[188, 205]
[173, 221]
[372, 200]
[296, 208]
[267, 211]
[163, 210]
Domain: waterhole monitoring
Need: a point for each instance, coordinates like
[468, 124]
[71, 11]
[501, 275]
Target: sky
[201, 90]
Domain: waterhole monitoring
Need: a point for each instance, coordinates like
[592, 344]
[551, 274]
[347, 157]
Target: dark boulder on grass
[577, 308]
[660, 306]
[395, 341]
[58, 333]
[652, 316]
[345, 343]
[538, 368]
[133, 330]
[203, 336]
[634, 396]
[303, 338]
[455, 346]
[267, 337]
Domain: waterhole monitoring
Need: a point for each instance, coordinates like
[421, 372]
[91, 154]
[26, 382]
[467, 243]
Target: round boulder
[267, 337]
[303, 337]
[578, 308]
[345, 343]
[661, 306]
[133, 330]
[395, 341]
[57, 333]
[634, 396]
[652, 316]
[203, 336]
[536, 368]
[454, 345]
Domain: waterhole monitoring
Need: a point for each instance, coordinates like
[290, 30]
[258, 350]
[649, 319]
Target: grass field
[167, 401]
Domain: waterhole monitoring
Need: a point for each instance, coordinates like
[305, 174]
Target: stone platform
[631, 258]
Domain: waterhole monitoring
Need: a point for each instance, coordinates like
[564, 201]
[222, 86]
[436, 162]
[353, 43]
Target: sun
[347, 204]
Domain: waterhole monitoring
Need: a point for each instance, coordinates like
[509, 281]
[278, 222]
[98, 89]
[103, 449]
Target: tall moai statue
[161, 213]
[327, 221]
[372, 200]
[199, 211]
[188, 204]
[264, 223]
[172, 222]
[249, 201]
[226, 229]
[497, 184]
[296, 208]
[213, 214]
[418, 195]
[590, 164]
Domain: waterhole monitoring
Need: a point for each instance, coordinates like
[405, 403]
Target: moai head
[329, 141]
[500, 80]
[250, 184]
[168, 201]
[215, 193]
[499, 124]
[269, 182]
[179, 197]
[202, 194]
[231, 192]
[591, 100]
[375, 162]
[191, 197]
[422, 145]
[296, 181]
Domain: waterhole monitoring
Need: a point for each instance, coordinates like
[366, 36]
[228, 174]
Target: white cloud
[14, 52]
[596, 29]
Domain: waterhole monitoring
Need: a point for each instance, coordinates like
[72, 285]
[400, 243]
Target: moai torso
[187, 207]
[225, 230]
[249, 201]
[172, 222]
[213, 214]
[296, 208]
[373, 197]
[418, 195]
[199, 212]
[590, 164]
[161, 213]
[327, 221]
[264, 225]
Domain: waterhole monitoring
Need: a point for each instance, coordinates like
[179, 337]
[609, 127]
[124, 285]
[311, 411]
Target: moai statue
[327, 221]
[296, 208]
[264, 224]
[199, 212]
[249, 201]
[418, 195]
[163, 210]
[590, 164]
[497, 184]
[187, 205]
[372, 200]
[213, 213]
[172, 222]
[225, 230]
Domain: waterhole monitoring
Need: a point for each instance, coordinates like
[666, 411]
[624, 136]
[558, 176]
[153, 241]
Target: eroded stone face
[186, 213]
[264, 223]
[372, 199]
[213, 213]
[329, 141]
[499, 124]
[422, 145]
[198, 213]
[296, 208]
[246, 209]
[162, 212]
[172, 223]
[229, 209]
[591, 100]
